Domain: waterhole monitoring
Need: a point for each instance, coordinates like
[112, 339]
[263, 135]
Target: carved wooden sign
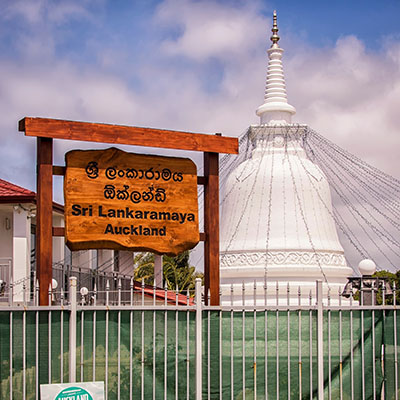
[124, 201]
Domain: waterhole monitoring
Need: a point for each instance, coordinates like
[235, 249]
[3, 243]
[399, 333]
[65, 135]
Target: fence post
[72, 329]
[320, 340]
[10, 280]
[199, 340]
[11, 292]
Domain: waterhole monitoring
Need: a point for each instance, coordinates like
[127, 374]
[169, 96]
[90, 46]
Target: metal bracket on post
[199, 339]
[320, 340]
[72, 328]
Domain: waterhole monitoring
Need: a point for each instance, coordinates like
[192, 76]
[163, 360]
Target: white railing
[5, 279]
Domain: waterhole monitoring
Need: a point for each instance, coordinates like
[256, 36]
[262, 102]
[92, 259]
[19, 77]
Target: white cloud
[37, 27]
[211, 29]
[351, 95]
[30, 11]
[64, 11]
[44, 11]
[345, 92]
[63, 92]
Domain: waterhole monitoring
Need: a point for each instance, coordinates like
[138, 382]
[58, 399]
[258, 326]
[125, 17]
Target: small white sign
[73, 391]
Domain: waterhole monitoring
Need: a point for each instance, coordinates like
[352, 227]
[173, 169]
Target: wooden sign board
[125, 201]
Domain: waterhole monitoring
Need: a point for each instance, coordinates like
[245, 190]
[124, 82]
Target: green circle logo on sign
[74, 393]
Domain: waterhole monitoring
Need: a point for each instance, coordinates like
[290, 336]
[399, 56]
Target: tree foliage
[394, 280]
[177, 272]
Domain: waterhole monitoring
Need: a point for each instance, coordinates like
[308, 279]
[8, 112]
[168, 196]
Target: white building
[277, 224]
[17, 246]
[17, 230]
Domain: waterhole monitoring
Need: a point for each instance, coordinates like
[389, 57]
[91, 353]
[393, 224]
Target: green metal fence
[151, 352]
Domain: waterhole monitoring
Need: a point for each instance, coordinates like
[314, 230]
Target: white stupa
[277, 223]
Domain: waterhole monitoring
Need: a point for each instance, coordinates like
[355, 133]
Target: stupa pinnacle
[276, 108]
[275, 38]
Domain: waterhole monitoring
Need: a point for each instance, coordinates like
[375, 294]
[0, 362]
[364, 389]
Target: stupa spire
[275, 38]
[276, 109]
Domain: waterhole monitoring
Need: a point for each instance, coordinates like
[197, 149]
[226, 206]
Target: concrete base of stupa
[281, 284]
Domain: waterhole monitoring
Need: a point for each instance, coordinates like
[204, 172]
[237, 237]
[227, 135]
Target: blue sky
[198, 66]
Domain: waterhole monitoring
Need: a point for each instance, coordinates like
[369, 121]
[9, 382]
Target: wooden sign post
[48, 129]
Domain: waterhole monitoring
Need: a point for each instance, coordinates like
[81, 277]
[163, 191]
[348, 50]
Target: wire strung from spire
[256, 170]
[340, 222]
[365, 207]
[299, 202]
[359, 218]
[378, 192]
[269, 218]
[394, 182]
[360, 201]
[375, 193]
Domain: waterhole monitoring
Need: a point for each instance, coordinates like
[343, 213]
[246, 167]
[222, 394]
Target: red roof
[160, 294]
[9, 191]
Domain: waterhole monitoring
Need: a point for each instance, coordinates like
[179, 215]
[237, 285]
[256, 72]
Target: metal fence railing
[146, 343]
[94, 280]
[5, 278]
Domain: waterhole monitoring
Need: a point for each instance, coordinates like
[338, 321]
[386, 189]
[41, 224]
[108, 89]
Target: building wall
[6, 233]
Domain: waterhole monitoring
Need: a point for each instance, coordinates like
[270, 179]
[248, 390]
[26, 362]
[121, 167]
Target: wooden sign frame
[46, 129]
[128, 201]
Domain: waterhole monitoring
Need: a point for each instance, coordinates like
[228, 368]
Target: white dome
[276, 217]
[300, 202]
